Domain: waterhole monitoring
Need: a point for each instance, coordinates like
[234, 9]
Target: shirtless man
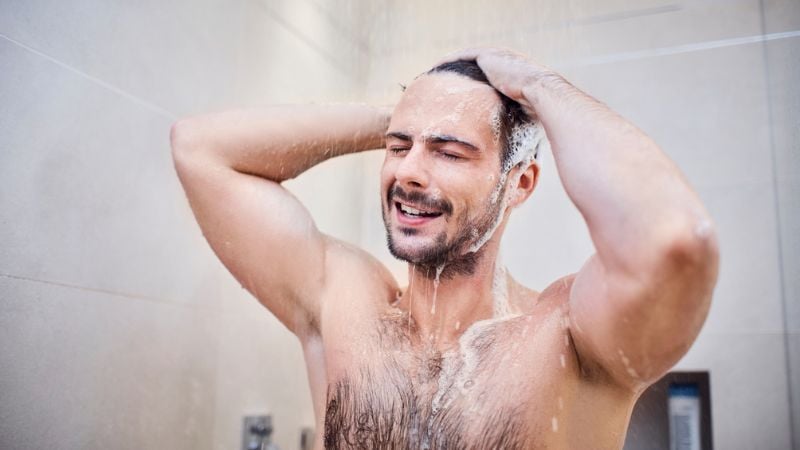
[464, 357]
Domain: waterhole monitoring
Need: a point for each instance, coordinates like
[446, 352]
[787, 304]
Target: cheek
[386, 175]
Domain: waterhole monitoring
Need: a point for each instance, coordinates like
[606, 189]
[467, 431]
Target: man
[464, 357]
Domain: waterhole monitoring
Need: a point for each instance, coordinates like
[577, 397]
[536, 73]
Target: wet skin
[393, 372]
[467, 358]
[385, 377]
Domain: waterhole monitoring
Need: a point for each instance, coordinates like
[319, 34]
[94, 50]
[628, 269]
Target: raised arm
[231, 165]
[640, 301]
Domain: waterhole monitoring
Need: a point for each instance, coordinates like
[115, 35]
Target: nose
[412, 169]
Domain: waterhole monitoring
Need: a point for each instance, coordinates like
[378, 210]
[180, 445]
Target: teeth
[410, 210]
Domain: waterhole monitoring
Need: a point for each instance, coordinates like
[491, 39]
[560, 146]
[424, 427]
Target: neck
[443, 304]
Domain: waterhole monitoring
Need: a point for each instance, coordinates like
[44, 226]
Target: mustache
[419, 198]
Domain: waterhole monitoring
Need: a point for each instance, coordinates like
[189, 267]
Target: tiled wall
[120, 329]
[715, 83]
[782, 68]
[118, 326]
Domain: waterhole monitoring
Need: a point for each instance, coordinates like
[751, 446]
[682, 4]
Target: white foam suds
[577, 325]
[460, 88]
[627, 363]
[410, 297]
[455, 116]
[523, 154]
[524, 144]
[703, 229]
[498, 187]
[458, 370]
[436, 287]
[490, 232]
[495, 123]
[500, 304]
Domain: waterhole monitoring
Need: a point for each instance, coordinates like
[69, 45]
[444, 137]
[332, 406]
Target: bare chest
[502, 386]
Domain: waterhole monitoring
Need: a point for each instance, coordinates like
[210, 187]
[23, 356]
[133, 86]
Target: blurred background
[120, 329]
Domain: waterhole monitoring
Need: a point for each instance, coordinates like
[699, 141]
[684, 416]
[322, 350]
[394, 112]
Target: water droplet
[436, 287]
[469, 383]
[563, 361]
[555, 424]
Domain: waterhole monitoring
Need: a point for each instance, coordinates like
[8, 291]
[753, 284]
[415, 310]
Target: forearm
[635, 201]
[280, 142]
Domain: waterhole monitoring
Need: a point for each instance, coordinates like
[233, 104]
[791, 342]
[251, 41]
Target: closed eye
[450, 156]
[397, 150]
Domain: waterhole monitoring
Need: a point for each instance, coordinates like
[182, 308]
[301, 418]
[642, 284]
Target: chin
[407, 248]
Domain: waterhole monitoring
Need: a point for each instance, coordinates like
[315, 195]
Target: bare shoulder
[356, 280]
[556, 294]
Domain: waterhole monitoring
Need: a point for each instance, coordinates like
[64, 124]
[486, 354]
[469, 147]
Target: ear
[525, 184]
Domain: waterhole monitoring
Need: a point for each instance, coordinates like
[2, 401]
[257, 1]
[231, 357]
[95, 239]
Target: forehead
[447, 103]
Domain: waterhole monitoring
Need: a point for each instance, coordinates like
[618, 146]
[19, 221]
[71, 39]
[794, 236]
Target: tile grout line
[678, 49]
[110, 292]
[151, 106]
[775, 193]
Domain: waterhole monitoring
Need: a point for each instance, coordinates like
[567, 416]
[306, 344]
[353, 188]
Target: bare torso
[510, 382]
[528, 378]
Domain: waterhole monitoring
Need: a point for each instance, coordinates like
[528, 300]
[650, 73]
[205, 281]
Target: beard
[456, 254]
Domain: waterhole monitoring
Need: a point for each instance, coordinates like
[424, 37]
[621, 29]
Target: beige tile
[793, 343]
[88, 190]
[329, 28]
[706, 109]
[747, 298]
[179, 55]
[83, 369]
[285, 58]
[749, 392]
[559, 31]
[783, 69]
[781, 15]
[789, 195]
[331, 193]
[546, 238]
[663, 26]
[260, 371]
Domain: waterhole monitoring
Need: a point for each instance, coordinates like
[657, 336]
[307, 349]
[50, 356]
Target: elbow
[697, 243]
[692, 254]
[188, 146]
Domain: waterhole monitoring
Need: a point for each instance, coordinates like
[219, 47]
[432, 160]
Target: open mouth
[410, 215]
[415, 208]
[414, 212]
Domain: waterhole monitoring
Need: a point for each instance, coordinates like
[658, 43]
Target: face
[440, 181]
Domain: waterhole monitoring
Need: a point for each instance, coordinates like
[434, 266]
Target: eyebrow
[435, 139]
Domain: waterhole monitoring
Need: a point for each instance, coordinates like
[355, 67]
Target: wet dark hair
[511, 112]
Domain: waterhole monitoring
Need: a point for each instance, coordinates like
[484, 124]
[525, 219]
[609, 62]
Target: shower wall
[118, 326]
[120, 329]
[715, 83]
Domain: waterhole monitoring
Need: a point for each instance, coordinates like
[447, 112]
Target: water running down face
[442, 176]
